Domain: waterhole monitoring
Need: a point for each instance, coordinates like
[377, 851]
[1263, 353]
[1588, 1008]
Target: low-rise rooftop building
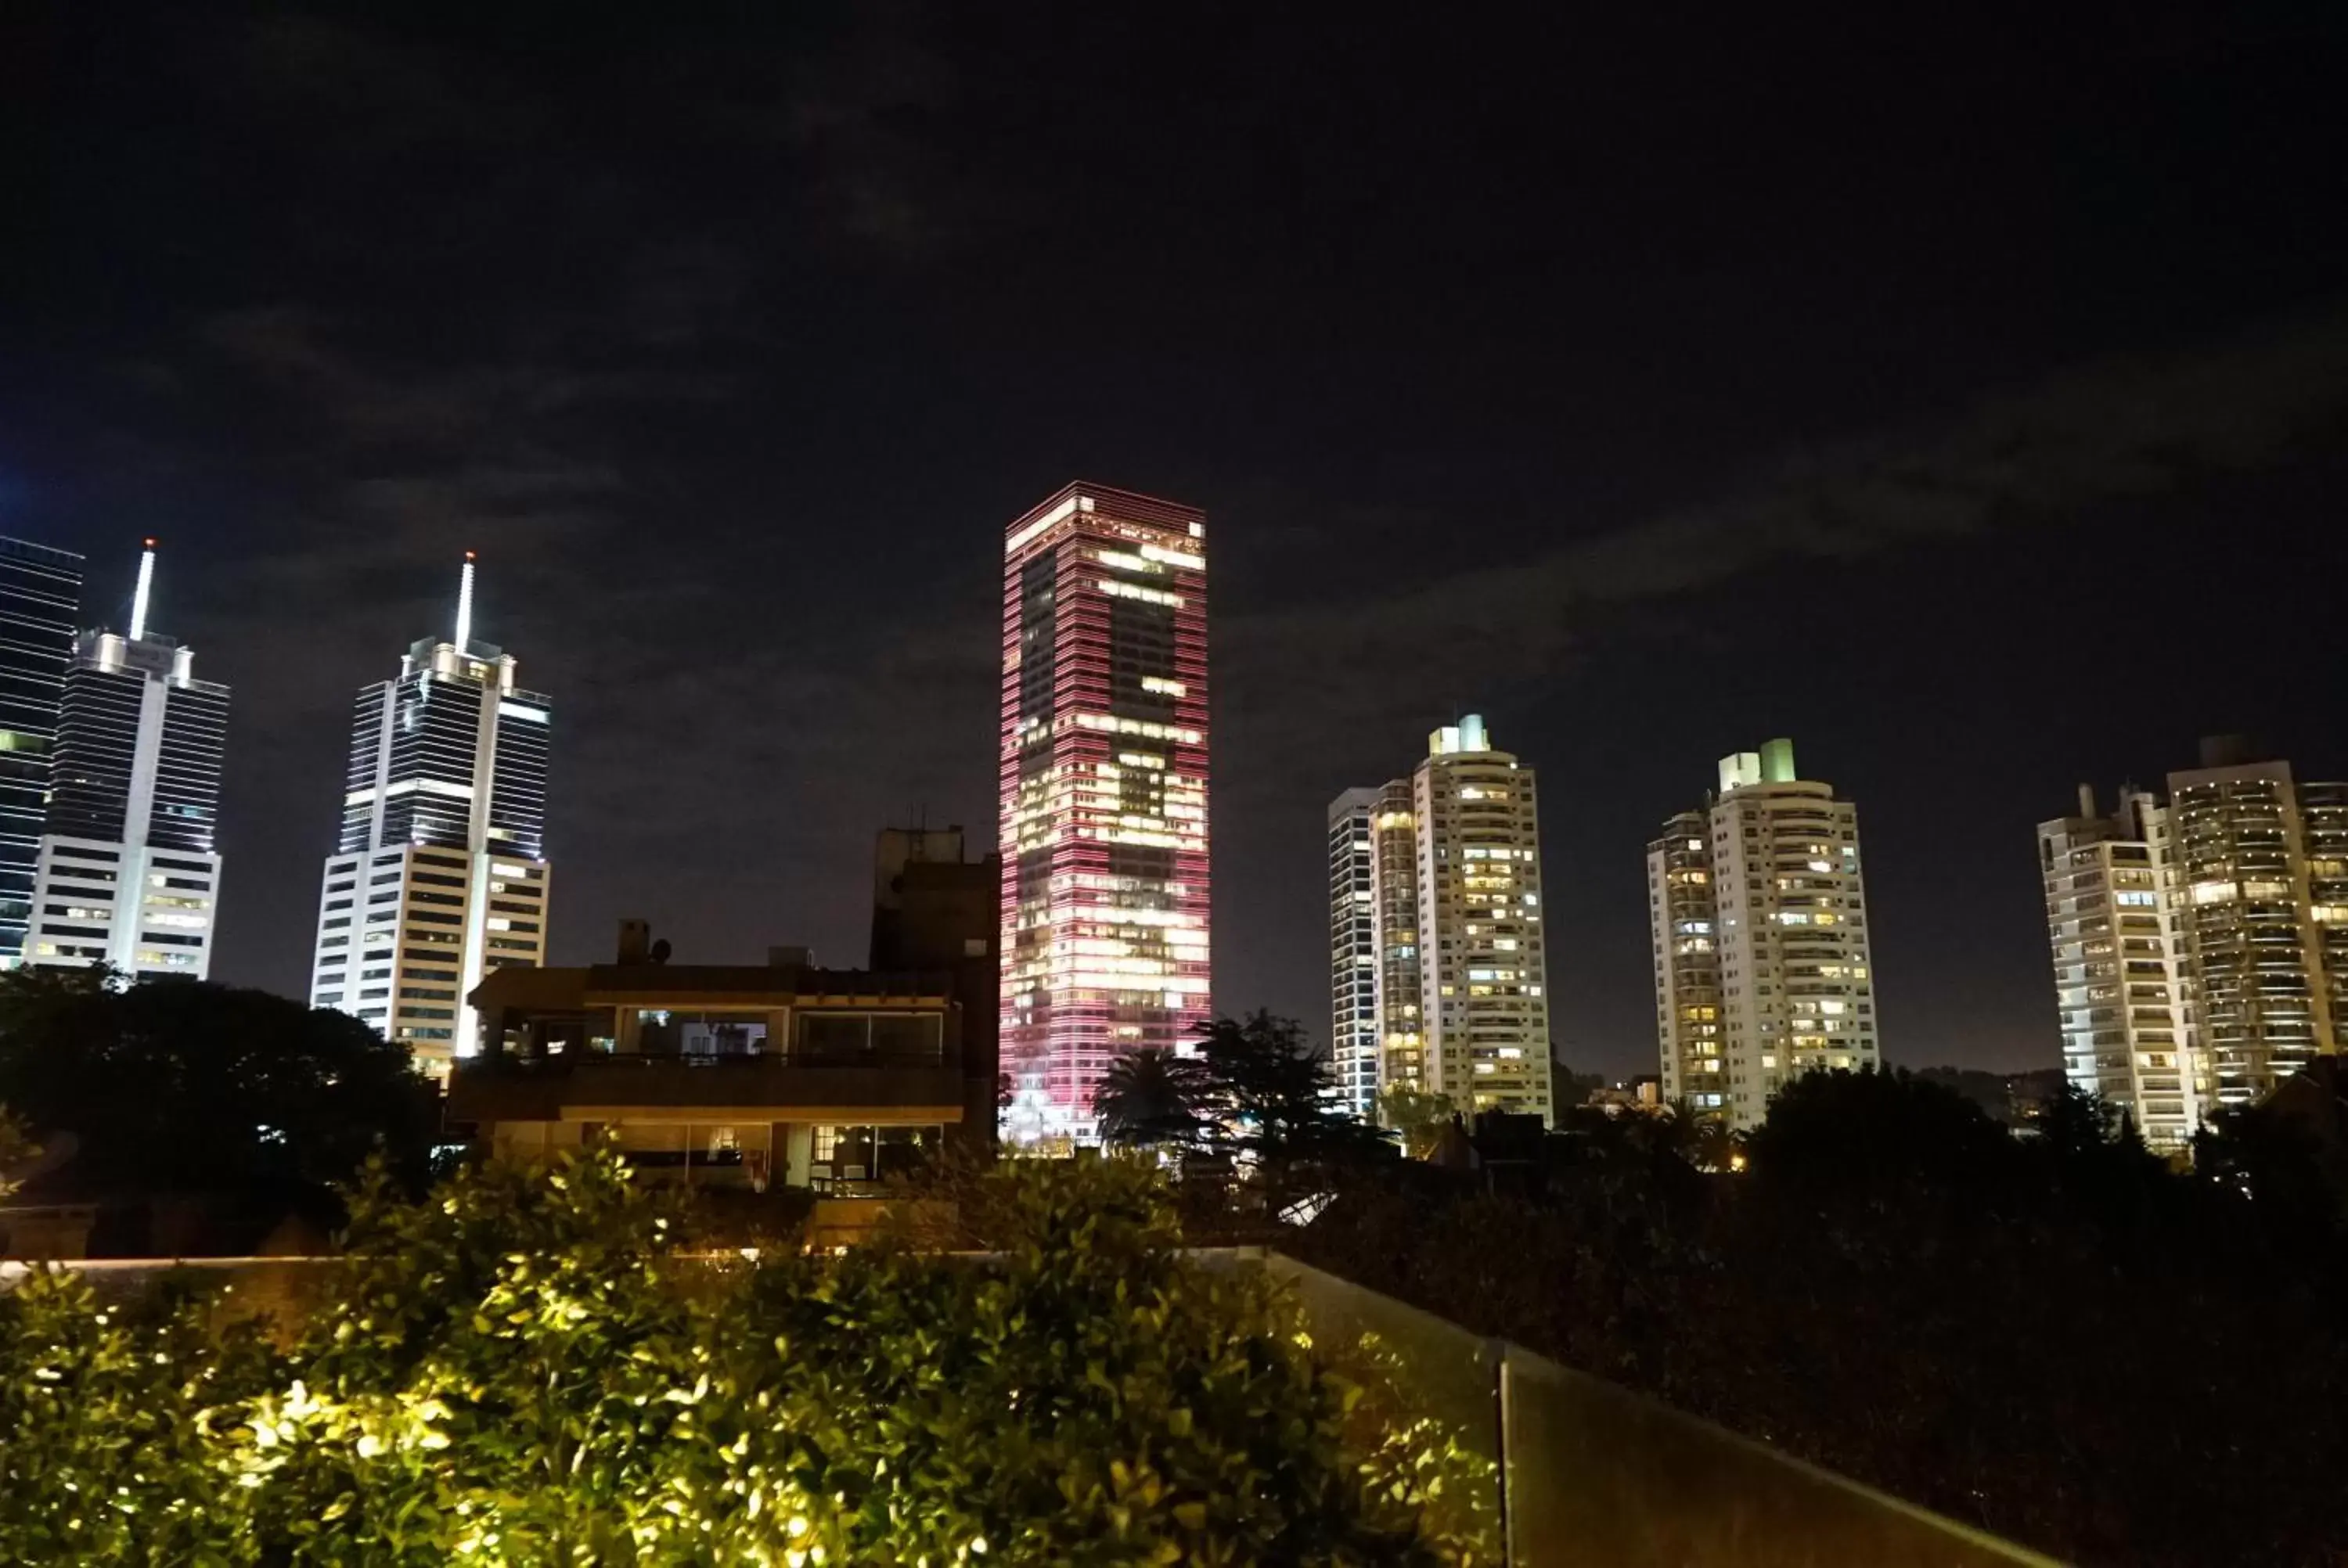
[726, 1075]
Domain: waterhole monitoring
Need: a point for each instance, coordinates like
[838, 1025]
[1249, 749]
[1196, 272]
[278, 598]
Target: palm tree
[1151, 1098]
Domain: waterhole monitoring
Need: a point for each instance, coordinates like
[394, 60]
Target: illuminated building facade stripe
[1104, 796]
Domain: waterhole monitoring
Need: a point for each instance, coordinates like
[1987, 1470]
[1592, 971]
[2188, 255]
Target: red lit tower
[1104, 796]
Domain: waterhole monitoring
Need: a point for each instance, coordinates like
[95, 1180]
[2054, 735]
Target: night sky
[1962, 399]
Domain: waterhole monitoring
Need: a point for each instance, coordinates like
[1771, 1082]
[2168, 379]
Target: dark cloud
[368, 85]
[2083, 437]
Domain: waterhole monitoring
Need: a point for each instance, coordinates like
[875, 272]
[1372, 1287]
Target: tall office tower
[1104, 796]
[127, 873]
[2262, 873]
[1759, 920]
[40, 596]
[440, 873]
[2115, 924]
[1483, 968]
[1354, 948]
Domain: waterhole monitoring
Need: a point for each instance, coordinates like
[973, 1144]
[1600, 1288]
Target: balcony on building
[721, 1076]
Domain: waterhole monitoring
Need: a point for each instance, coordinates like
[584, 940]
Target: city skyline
[1639, 418]
[2141, 816]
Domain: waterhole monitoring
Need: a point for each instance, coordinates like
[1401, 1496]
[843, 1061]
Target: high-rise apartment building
[2115, 924]
[1354, 1051]
[2263, 889]
[40, 597]
[1394, 890]
[440, 873]
[1104, 796]
[1759, 919]
[129, 874]
[1440, 915]
[1484, 973]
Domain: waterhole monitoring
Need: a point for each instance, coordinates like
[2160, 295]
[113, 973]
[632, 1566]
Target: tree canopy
[1255, 1089]
[1152, 1099]
[2041, 1335]
[183, 1086]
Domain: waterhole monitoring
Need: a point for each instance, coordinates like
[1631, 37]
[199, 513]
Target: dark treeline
[242, 1109]
[2059, 1339]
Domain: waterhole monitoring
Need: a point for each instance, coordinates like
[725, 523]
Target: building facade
[1393, 892]
[1103, 790]
[1354, 1049]
[1758, 914]
[2115, 924]
[40, 598]
[739, 1080]
[1441, 909]
[934, 912]
[439, 875]
[2261, 863]
[1483, 963]
[128, 872]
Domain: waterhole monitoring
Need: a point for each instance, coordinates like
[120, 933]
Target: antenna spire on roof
[465, 605]
[144, 591]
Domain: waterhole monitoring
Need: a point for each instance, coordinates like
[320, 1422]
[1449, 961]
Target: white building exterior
[2261, 864]
[1446, 866]
[440, 873]
[1758, 912]
[1353, 948]
[127, 874]
[2114, 926]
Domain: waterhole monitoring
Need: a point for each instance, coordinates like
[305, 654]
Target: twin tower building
[111, 761]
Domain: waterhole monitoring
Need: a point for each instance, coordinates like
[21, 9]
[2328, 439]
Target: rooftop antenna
[465, 605]
[140, 594]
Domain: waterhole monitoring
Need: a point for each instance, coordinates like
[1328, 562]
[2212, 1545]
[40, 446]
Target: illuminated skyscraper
[2263, 892]
[1761, 951]
[41, 595]
[440, 874]
[1483, 965]
[128, 875]
[1393, 886]
[1104, 796]
[1354, 948]
[2115, 927]
[1439, 973]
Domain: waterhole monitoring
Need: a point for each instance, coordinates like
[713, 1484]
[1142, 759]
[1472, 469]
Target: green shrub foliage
[523, 1369]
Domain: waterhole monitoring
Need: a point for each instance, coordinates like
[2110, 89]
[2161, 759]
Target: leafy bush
[523, 1369]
